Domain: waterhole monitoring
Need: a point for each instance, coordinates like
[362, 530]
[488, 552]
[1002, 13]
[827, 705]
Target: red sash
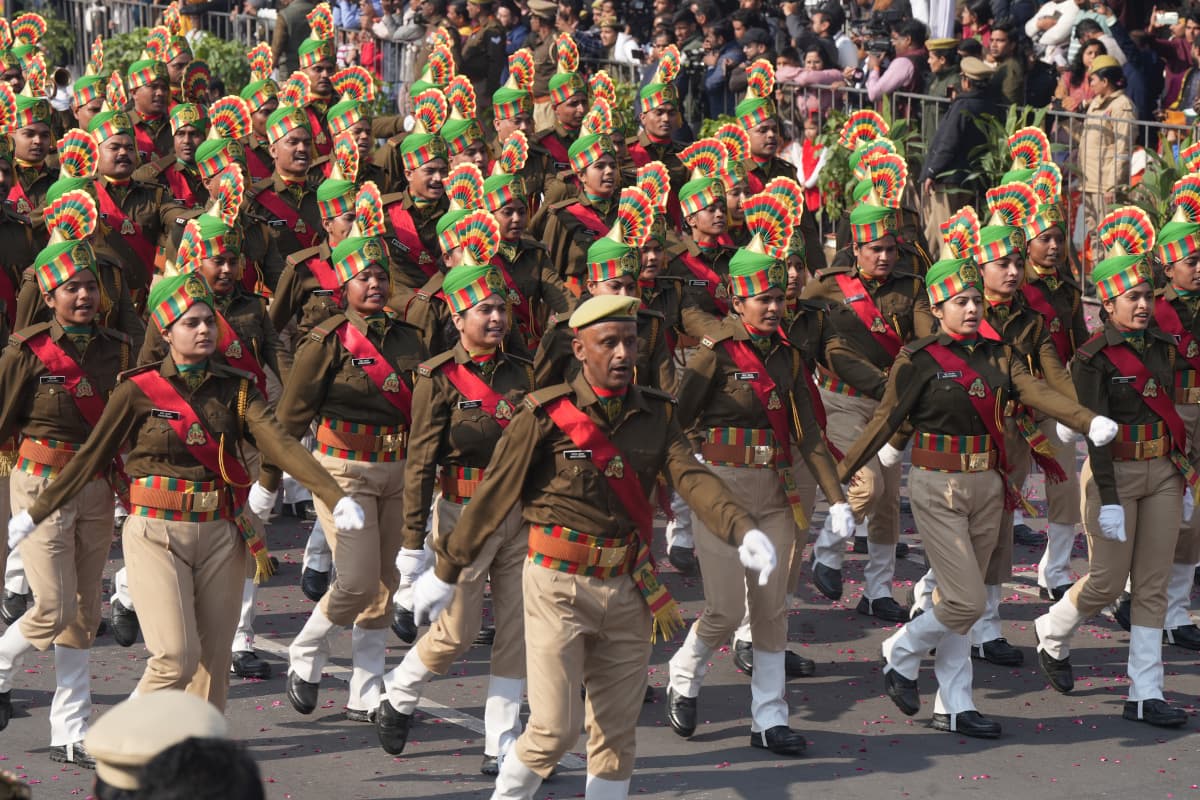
[87, 400]
[1160, 400]
[368, 358]
[8, 295]
[872, 318]
[129, 231]
[323, 272]
[145, 142]
[521, 306]
[587, 435]
[272, 202]
[180, 188]
[238, 355]
[987, 406]
[472, 387]
[590, 218]
[17, 196]
[1058, 327]
[755, 183]
[715, 284]
[747, 360]
[316, 125]
[557, 150]
[257, 167]
[1168, 319]
[410, 241]
[640, 158]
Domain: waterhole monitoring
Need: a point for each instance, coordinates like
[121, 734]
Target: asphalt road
[860, 746]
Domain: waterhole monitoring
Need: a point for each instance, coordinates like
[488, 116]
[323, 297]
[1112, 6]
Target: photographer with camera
[901, 70]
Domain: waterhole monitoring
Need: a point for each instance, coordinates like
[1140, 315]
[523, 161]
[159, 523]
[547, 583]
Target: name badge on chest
[854, 299]
[954, 373]
[1119, 379]
[162, 413]
[745, 376]
[322, 293]
[697, 283]
[465, 405]
[52, 379]
[362, 362]
[577, 455]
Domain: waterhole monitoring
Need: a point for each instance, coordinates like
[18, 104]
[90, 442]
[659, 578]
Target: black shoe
[314, 584]
[14, 605]
[485, 637]
[998, 652]
[302, 510]
[648, 697]
[101, 627]
[904, 692]
[490, 766]
[681, 713]
[968, 723]
[1055, 594]
[1028, 537]
[797, 666]
[1057, 671]
[302, 694]
[357, 715]
[247, 664]
[683, 559]
[124, 623]
[827, 579]
[404, 624]
[860, 547]
[73, 753]
[1185, 636]
[780, 740]
[392, 728]
[743, 656]
[1122, 611]
[6, 708]
[1155, 712]
[885, 608]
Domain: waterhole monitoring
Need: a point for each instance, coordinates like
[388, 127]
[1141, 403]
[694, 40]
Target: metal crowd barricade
[399, 71]
[619, 70]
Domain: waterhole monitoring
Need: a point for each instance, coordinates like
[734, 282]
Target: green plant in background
[123, 49]
[992, 159]
[226, 59]
[624, 117]
[59, 41]
[709, 126]
[1153, 193]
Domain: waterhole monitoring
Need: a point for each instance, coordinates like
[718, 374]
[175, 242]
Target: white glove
[1065, 435]
[1112, 523]
[1189, 504]
[261, 502]
[757, 553]
[348, 515]
[430, 596]
[19, 527]
[1102, 431]
[889, 456]
[841, 521]
[411, 564]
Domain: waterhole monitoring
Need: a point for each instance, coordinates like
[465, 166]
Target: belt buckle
[391, 442]
[979, 462]
[1193, 395]
[763, 455]
[206, 501]
[611, 556]
[1151, 449]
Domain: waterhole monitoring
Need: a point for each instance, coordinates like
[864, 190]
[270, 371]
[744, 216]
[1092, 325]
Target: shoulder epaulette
[300, 256]
[394, 197]
[522, 360]
[1160, 334]
[426, 368]
[129, 373]
[713, 339]
[260, 186]
[188, 214]
[542, 396]
[18, 338]
[650, 312]
[323, 329]
[658, 394]
[918, 344]
[529, 243]
[233, 372]
[831, 271]
[1091, 347]
[113, 333]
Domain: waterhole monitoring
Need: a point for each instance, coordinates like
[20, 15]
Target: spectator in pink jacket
[815, 72]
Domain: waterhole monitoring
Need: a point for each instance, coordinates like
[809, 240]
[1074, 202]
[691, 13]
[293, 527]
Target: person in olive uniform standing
[287, 201]
[481, 57]
[185, 539]
[33, 144]
[464, 400]
[568, 101]
[149, 88]
[1135, 487]
[951, 389]
[582, 458]
[353, 374]
[512, 112]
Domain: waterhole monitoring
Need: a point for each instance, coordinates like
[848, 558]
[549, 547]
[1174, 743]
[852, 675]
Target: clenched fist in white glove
[890, 456]
[841, 521]
[411, 564]
[1102, 431]
[1065, 434]
[19, 527]
[757, 553]
[348, 515]
[430, 597]
[1112, 523]
[262, 501]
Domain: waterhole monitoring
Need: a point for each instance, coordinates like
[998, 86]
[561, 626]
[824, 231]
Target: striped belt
[954, 453]
[567, 550]
[739, 447]
[178, 499]
[831, 383]
[1187, 387]
[361, 442]
[1141, 442]
[460, 483]
[45, 457]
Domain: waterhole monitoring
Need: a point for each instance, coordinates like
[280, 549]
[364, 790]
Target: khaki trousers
[959, 515]
[728, 586]
[875, 490]
[1062, 499]
[1187, 549]
[64, 560]
[936, 208]
[1020, 462]
[186, 580]
[503, 559]
[365, 560]
[592, 629]
[1152, 495]
[806, 487]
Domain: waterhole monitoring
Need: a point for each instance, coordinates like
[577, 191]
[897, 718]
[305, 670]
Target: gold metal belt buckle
[1192, 395]
[610, 556]
[978, 462]
[1151, 449]
[391, 442]
[763, 455]
[206, 501]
